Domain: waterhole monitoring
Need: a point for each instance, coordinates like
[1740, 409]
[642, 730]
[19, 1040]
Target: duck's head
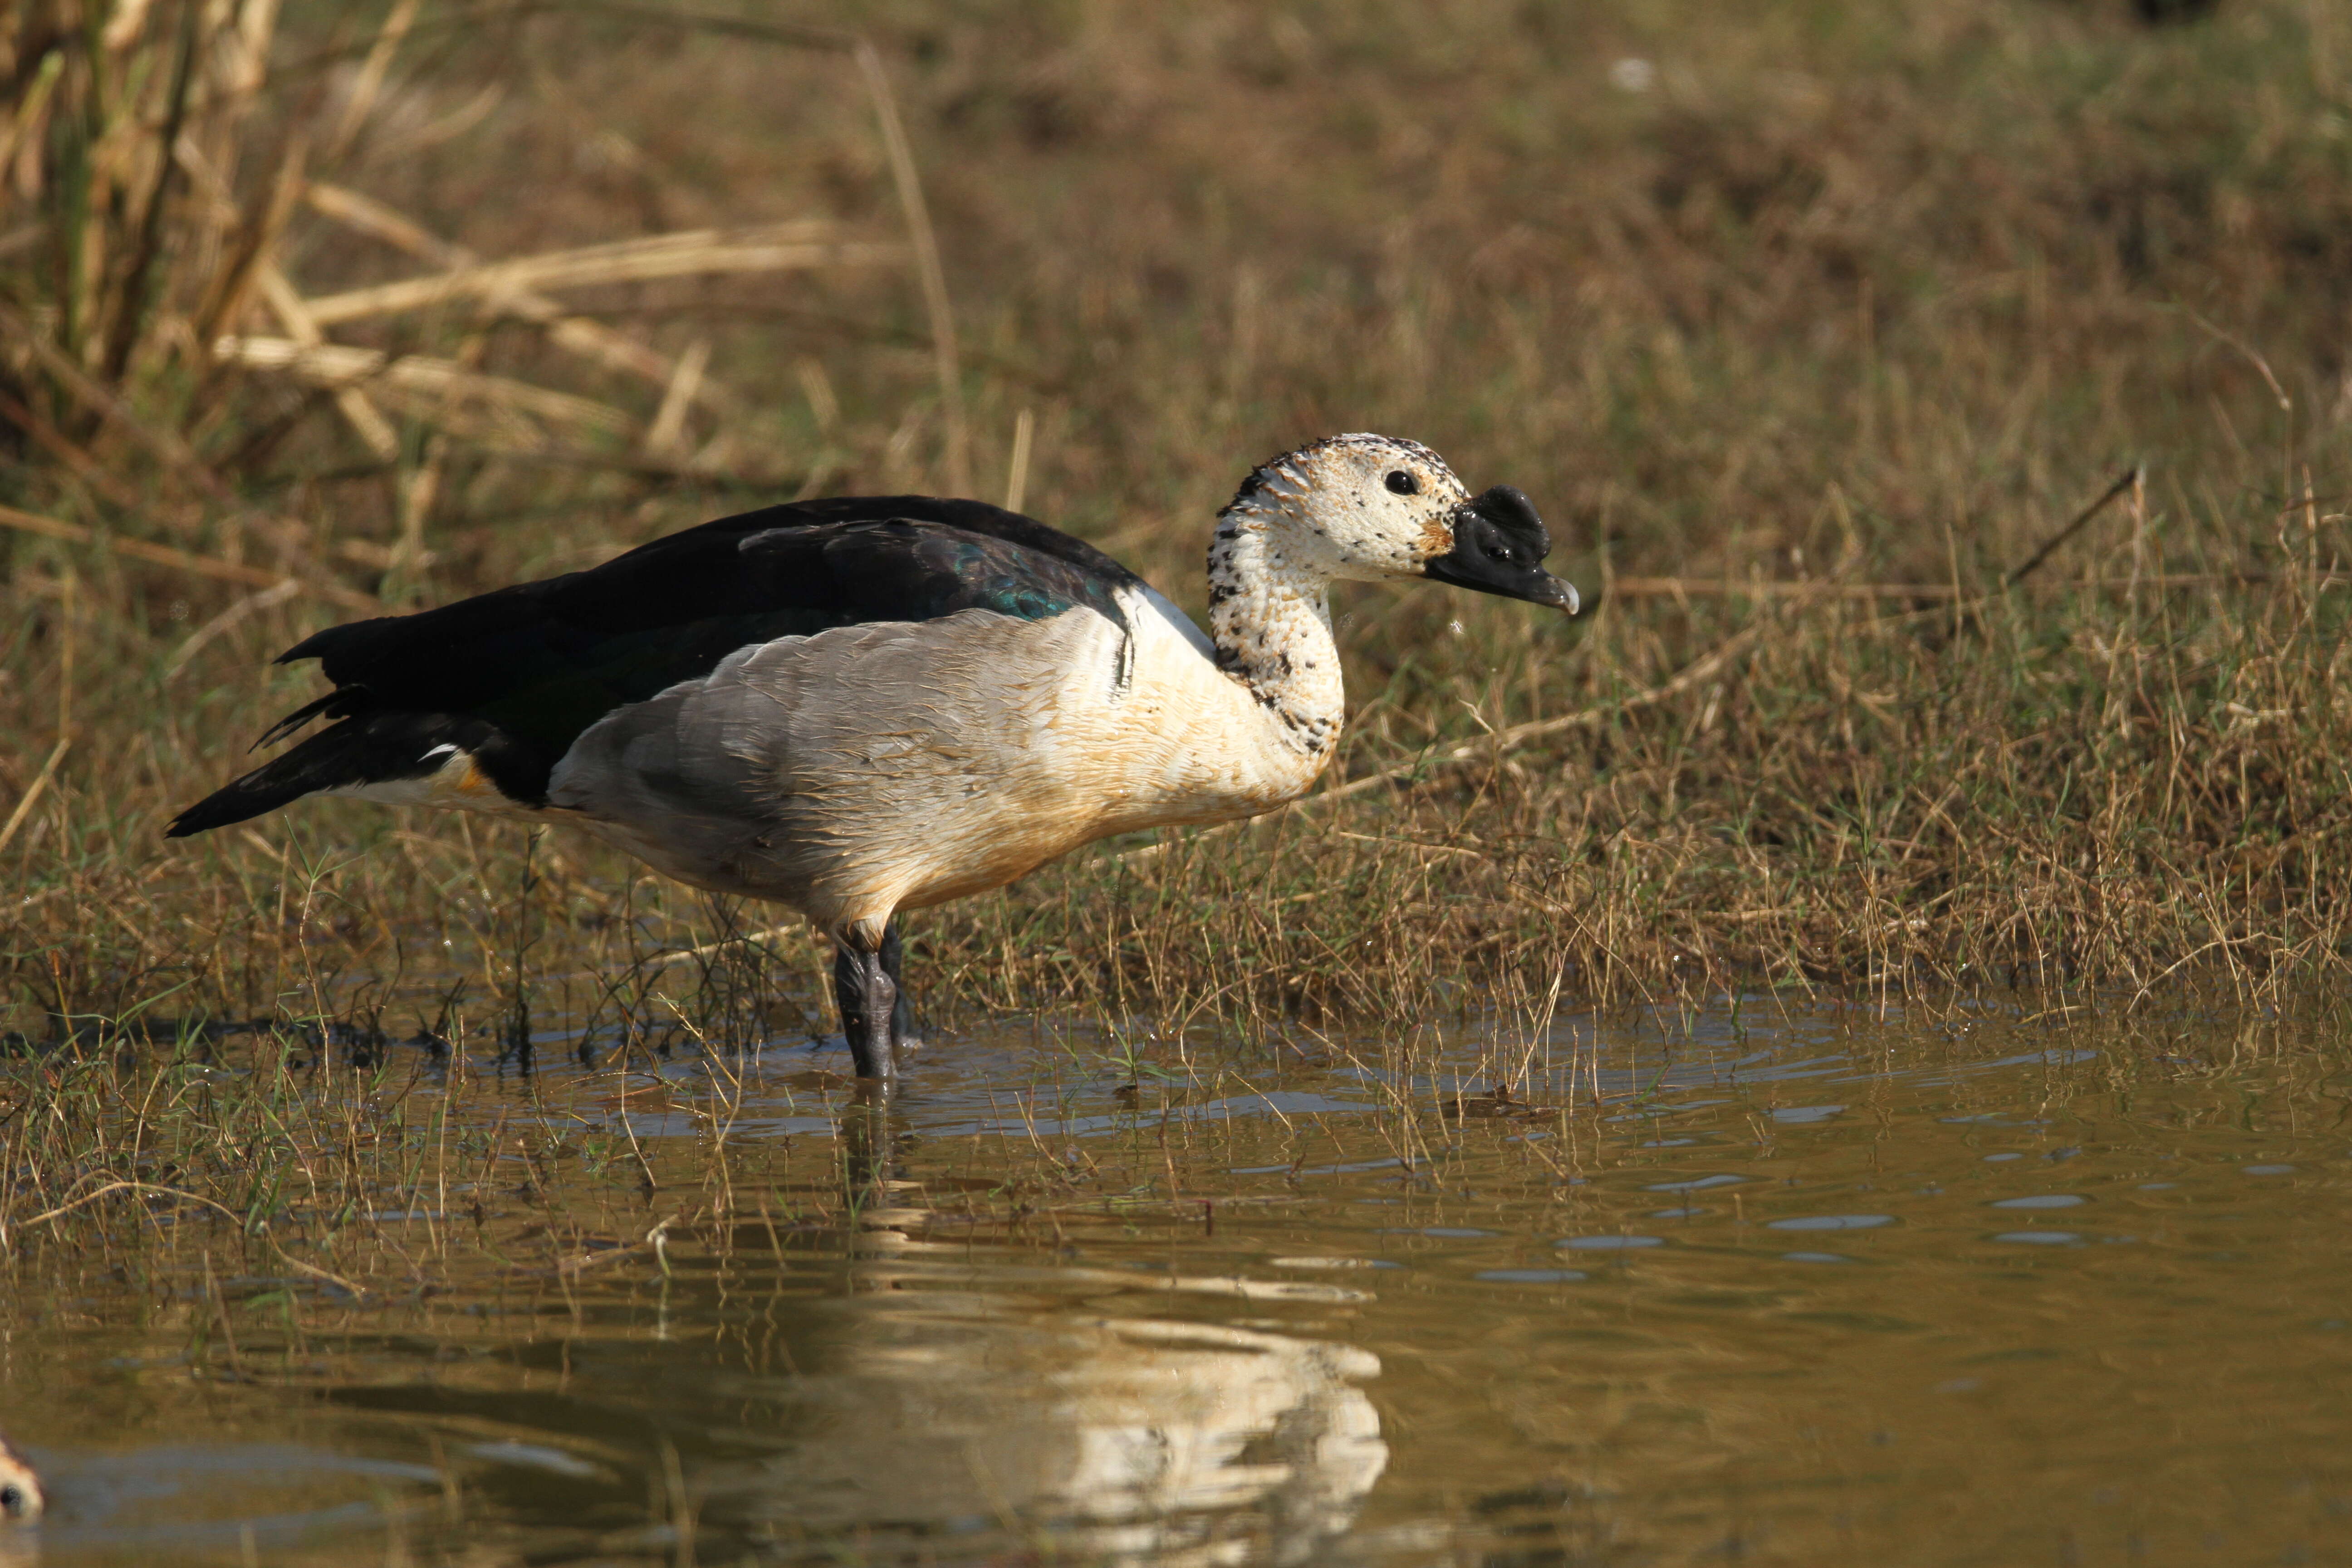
[1367, 508]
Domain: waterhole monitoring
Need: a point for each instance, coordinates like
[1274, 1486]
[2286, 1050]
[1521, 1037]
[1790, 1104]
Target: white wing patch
[1142, 606]
[1182, 623]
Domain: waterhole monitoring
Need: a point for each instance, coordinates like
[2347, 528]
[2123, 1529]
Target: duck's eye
[12, 1501]
[1402, 483]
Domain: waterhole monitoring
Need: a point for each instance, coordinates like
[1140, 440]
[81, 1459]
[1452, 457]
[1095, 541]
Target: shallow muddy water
[1815, 1290]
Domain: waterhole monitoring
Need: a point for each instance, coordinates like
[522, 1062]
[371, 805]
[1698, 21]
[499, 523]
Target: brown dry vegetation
[1803, 350]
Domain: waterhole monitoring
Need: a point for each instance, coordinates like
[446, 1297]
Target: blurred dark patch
[2164, 12]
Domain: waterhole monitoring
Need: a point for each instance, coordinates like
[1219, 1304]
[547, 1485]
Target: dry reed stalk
[107, 406]
[32, 795]
[373, 430]
[29, 118]
[419, 490]
[444, 390]
[577, 334]
[927, 256]
[666, 433]
[748, 939]
[1492, 746]
[1766, 588]
[1016, 466]
[253, 245]
[369, 84]
[151, 177]
[129, 308]
[250, 604]
[179, 559]
[85, 468]
[2131, 479]
[906, 181]
[364, 215]
[769, 247]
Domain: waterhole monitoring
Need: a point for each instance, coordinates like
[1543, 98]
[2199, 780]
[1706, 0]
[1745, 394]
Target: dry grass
[1806, 349]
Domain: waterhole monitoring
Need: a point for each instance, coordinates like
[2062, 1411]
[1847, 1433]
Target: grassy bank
[1807, 334]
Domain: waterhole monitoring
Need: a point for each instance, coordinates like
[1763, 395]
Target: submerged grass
[1818, 335]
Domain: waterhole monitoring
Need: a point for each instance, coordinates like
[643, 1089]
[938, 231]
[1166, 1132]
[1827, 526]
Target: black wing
[512, 677]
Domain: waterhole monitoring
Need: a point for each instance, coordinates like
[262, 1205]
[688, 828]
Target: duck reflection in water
[963, 1415]
[904, 1399]
[20, 1489]
[20, 1504]
[943, 1396]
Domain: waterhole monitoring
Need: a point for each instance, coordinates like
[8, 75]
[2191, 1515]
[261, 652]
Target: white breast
[896, 765]
[1187, 742]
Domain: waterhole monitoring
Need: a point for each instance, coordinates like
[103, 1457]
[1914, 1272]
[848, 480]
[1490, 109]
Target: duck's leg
[873, 1007]
[902, 1011]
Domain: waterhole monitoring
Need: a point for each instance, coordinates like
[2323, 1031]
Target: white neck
[1270, 617]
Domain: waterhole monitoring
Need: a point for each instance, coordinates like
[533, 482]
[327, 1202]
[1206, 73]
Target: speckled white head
[1364, 506]
[1358, 507]
[1352, 507]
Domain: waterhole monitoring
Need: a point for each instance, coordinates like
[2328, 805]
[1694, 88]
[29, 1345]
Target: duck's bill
[1499, 544]
[1557, 591]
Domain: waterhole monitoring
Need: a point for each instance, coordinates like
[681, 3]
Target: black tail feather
[335, 704]
[374, 748]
